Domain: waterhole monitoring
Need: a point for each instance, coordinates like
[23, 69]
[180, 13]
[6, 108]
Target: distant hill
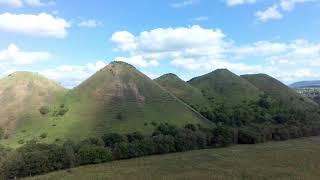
[183, 90]
[279, 91]
[22, 94]
[306, 84]
[118, 98]
[223, 86]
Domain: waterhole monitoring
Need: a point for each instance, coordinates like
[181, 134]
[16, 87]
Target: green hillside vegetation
[118, 98]
[183, 91]
[223, 87]
[283, 94]
[293, 159]
[25, 99]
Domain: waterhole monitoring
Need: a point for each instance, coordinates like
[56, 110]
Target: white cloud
[138, 61]
[271, 13]
[90, 23]
[200, 50]
[200, 18]
[183, 3]
[13, 55]
[22, 3]
[170, 43]
[12, 3]
[239, 2]
[43, 24]
[288, 5]
[72, 75]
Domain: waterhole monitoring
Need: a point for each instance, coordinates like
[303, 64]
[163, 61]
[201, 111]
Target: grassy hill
[118, 98]
[293, 159]
[121, 99]
[182, 90]
[222, 86]
[22, 94]
[279, 91]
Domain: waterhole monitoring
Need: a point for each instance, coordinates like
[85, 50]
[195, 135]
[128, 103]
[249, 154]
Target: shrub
[192, 127]
[91, 154]
[222, 136]
[248, 136]
[164, 144]
[112, 139]
[44, 110]
[1, 133]
[135, 136]
[43, 135]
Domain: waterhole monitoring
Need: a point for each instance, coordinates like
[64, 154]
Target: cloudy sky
[69, 40]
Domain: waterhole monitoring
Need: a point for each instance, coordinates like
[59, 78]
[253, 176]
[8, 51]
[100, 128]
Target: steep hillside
[182, 90]
[279, 91]
[118, 98]
[222, 86]
[22, 95]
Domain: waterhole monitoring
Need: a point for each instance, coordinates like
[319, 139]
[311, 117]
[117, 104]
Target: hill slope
[22, 94]
[122, 99]
[182, 90]
[279, 91]
[118, 98]
[222, 86]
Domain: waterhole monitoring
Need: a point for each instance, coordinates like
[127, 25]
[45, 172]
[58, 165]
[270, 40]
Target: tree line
[35, 158]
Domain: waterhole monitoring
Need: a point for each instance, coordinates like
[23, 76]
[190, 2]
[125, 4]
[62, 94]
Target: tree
[91, 154]
[164, 144]
[112, 139]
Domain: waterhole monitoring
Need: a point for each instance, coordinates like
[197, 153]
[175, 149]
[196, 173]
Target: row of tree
[37, 158]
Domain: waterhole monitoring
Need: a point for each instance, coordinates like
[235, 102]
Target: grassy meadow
[293, 159]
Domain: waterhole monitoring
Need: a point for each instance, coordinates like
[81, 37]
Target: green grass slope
[222, 86]
[118, 98]
[279, 91]
[293, 159]
[22, 94]
[121, 99]
[182, 90]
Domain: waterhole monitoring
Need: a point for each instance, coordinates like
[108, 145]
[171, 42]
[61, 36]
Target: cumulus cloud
[183, 3]
[90, 23]
[43, 25]
[239, 2]
[149, 47]
[271, 13]
[13, 55]
[276, 11]
[201, 50]
[22, 3]
[72, 75]
[288, 5]
[12, 3]
[200, 18]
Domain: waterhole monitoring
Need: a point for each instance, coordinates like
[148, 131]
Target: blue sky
[69, 40]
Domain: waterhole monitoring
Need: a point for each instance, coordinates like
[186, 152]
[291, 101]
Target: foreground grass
[293, 159]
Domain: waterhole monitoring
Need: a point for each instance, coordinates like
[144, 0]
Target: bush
[43, 135]
[222, 136]
[112, 139]
[164, 144]
[136, 136]
[121, 151]
[1, 133]
[44, 110]
[248, 136]
[91, 154]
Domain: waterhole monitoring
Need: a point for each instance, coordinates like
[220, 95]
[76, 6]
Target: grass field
[294, 159]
